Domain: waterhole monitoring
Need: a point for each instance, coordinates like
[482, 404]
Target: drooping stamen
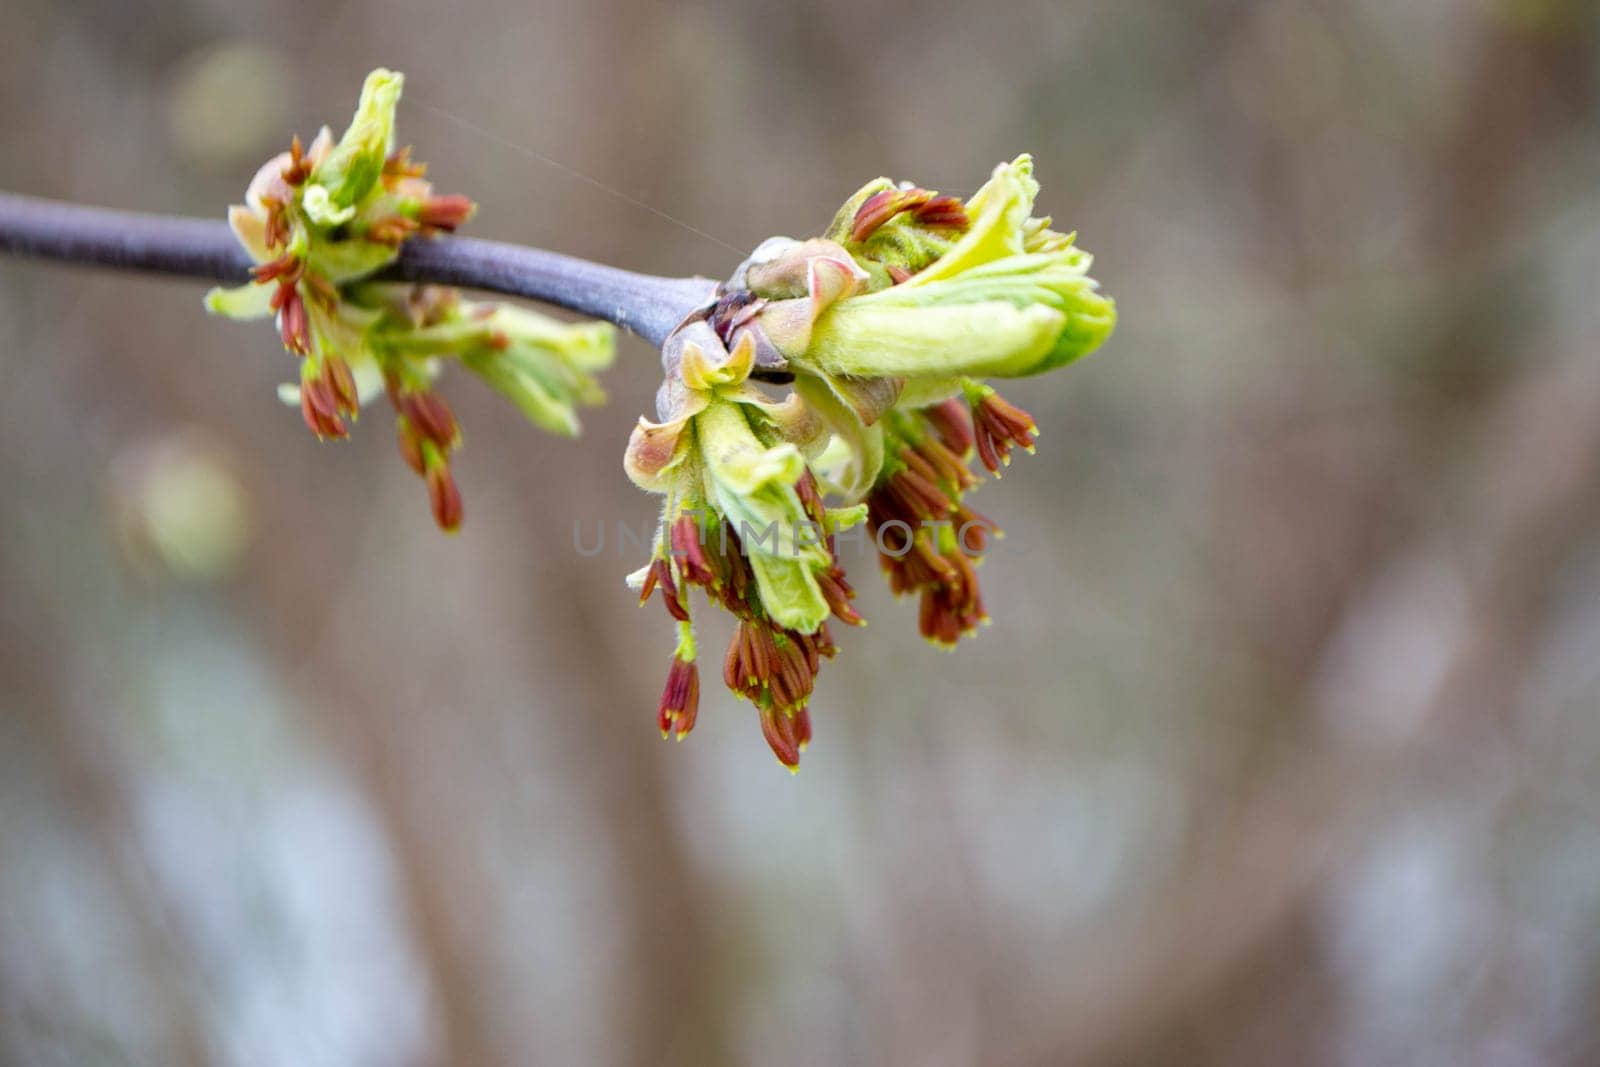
[286, 269]
[953, 607]
[294, 326]
[336, 372]
[1000, 425]
[810, 495]
[837, 592]
[409, 442]
[950, 420]
[783, 733]
[680, 700]
[277, 227]
[690, 553]
[660, 574]
[444, 497]
[431, 416]
[319, 407]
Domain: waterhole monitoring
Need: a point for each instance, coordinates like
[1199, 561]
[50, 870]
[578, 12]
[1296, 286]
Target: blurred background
[1282, 748]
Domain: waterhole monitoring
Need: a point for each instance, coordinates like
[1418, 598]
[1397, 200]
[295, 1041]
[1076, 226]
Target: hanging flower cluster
[881, 331]
[319, 222]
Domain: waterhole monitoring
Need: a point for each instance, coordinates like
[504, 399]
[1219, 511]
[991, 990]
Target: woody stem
[644, 304]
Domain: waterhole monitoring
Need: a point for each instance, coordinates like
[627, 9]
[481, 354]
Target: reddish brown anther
[319, 407]
[999, 426]
[660, 574]
[810, 495]
[933, 553]
[400, 165]
[838, 593]
[276, 229]
[950, 420]
[431, 416]
[943, 213]
[298, 169]
[973, 530]
[880, 207]
[410, 444]
[294, 326]
[952, 607]
[445, 213]
[787, 734]
[899, 274]
[286, 269]
[693, 561]
[336, 372]
[444, 497]
[680, 699]
[392, 230]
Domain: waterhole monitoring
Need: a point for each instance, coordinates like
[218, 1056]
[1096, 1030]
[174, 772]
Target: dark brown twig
[644, 304]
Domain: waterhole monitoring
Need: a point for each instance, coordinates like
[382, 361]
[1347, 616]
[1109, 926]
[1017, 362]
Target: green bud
[1009, 317]
[1008, 297]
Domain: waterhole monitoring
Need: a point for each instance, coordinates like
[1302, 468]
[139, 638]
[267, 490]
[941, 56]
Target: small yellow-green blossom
[320, 223]
[881, 328]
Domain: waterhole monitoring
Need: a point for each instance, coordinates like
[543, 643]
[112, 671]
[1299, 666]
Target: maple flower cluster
[320, 221]
[830, 387]
[881, 331]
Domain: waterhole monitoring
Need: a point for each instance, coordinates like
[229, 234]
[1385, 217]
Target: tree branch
[644, 304]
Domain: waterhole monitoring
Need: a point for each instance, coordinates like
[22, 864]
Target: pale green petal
[923, 392]
[752, 485]
[321, 209]
[246, 302]
[538, 363]
[790, 419]
[789, 592]
[1019, 315]
[998, 212]
[739, 462]
[353, 167]
[583, 346]
[844, 518]
[544, 406]
[349, 260]
[251, 230]
[863, 444]
[991, 338]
